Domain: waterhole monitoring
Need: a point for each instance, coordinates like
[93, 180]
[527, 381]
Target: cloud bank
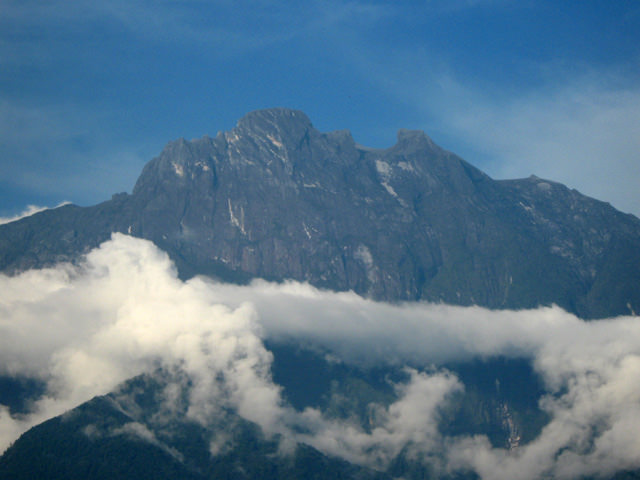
[83, 330]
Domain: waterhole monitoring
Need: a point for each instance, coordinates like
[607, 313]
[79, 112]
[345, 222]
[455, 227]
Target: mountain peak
[414, 139]
[405, 133]
[275, 198]
[281, 127]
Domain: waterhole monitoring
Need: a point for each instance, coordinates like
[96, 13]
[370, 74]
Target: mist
[123, 311]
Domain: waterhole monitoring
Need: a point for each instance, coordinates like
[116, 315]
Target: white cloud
[411, 423]
[27, 212]
[124, 311]
[85, 330]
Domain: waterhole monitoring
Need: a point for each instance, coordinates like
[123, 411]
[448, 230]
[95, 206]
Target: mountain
[274, 198]
[125, 435]
[135, 431]
[413, 226]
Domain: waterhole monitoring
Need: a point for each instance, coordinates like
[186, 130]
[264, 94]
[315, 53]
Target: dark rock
[275, 198]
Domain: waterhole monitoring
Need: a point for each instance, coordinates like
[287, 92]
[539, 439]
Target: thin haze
[90, 91]
[84, 329]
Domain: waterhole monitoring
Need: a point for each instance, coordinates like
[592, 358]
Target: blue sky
[90, 91]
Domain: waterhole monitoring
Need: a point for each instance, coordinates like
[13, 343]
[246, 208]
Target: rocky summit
[275, 198]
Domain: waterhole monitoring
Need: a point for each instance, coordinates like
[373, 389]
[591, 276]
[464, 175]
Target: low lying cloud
[124, 312]
[409, 423]
[83, 330]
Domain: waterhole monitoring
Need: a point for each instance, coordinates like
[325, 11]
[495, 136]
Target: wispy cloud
[85, 329]
[58, 149]
[224, 28]
[559, 118]
[30, 210]
[584, 132]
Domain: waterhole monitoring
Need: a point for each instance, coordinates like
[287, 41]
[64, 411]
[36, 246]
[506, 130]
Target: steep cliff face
[275, 198]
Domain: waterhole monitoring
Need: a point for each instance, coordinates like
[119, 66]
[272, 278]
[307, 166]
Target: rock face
[275, 198]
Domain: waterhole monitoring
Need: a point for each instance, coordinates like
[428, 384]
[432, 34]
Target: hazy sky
[90, 91]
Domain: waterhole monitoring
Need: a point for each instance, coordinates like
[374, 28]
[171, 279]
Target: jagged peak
[176, 149]
[405, 133]
[417, 137]
[283, 127]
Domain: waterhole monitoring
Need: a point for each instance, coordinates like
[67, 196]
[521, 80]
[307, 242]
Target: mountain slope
[128, 434]
[145, 427]
[274, 198]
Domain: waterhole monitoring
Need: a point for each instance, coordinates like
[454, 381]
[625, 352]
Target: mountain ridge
[275, 198]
